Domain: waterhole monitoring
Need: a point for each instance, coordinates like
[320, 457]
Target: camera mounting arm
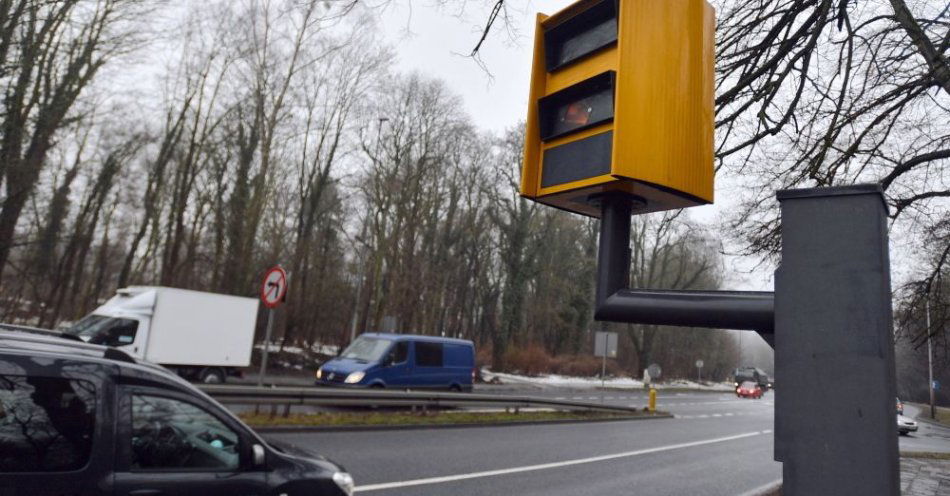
[747, 310]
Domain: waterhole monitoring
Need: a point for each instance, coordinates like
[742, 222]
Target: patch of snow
[322, 349]
[555, 380]
[705, 386]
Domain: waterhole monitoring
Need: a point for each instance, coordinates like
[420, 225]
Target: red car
[749, 389]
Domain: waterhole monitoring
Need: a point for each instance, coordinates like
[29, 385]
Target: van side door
[397, 368]
[173, 443]
[429, 371]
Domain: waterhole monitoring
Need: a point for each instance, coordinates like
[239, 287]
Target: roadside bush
[583, 366]
[483, 356]
[532, 359]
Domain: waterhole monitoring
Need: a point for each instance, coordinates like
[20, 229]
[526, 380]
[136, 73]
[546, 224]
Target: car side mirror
[257, 456]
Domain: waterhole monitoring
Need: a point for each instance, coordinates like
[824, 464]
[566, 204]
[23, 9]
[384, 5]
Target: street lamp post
[930, 361]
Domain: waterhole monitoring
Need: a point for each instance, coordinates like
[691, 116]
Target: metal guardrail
[327, 396]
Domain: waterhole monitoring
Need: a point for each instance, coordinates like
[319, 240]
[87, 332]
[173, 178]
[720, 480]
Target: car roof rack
[40, 331]
[37, 336]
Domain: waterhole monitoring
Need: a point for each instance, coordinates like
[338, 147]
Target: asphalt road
[715, 445]
[929, 437]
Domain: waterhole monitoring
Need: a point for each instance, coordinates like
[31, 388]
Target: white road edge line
[545, 466]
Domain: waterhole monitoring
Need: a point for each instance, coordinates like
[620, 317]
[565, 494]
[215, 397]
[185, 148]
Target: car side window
[173, 434]
[46, 423]
[400, 352]
[428, 354]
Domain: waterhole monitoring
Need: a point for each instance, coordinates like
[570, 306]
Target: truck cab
[122, 322]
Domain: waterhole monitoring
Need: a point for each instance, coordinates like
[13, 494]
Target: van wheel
[455, 388]
[376, 386]
[212, 375]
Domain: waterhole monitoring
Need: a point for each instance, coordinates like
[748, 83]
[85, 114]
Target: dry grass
[943, 413]
[533, 359]
[340, 419]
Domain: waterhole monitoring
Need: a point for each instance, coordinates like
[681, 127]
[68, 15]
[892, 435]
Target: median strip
[545, 466]
[405, 419]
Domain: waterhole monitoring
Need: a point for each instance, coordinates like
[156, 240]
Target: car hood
[292, 450]
[904, 420]
[344, 366]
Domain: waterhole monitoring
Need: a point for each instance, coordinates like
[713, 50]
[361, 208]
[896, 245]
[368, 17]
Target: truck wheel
[212, 375]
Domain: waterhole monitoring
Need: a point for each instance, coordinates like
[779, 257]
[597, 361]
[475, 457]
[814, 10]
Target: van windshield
[366, 349]
[108, 331]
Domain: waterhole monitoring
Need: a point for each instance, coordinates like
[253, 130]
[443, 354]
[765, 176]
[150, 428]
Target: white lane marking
[545, 466]
[771, 486]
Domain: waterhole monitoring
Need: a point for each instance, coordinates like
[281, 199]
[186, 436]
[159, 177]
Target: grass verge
[341, 419]
[943, 413]
[925, 454]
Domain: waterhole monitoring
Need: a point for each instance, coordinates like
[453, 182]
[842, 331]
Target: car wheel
[212, 375]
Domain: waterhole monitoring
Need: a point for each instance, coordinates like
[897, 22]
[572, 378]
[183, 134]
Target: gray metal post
[270, 325]
[356, 305]
[930, 363]
[834, 350]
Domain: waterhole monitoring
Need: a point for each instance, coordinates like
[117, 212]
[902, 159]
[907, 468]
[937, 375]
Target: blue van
[402, 361]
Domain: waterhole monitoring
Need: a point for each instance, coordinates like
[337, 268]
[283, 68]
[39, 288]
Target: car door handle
[146, 492]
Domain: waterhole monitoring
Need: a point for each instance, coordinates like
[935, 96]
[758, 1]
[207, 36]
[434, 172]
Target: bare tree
[52, 51]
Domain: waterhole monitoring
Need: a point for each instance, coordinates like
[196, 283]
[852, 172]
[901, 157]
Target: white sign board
[605, 344]
[699, 364]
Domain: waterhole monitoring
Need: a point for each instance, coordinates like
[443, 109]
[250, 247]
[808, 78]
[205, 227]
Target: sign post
[699, 370]
[273, 290]
[605, 345]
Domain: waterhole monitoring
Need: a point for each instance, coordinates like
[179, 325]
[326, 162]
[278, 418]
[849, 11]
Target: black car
[758, 376]
[86, 419]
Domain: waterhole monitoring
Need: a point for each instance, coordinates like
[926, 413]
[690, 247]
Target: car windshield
[366, 349]
[109, 331]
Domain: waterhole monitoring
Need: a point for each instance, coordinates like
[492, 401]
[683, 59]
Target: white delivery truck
[202, 336]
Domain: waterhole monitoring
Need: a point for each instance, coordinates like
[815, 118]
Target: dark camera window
[401, 352]
[46, 423]
[581, 35]
[428, 354]
[172, 434]
[581, 106]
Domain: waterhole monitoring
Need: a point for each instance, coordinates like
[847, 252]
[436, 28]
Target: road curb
[773, 488]
[277, 429]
